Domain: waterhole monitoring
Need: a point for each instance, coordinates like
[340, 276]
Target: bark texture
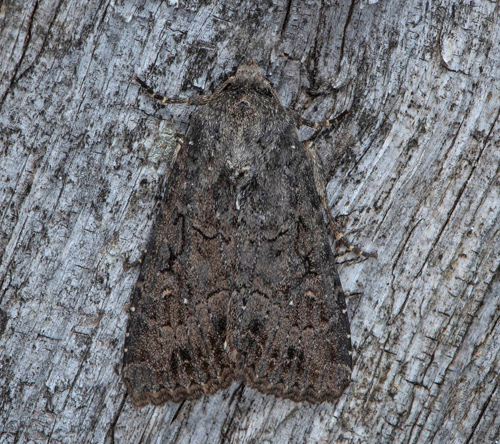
[414, 168]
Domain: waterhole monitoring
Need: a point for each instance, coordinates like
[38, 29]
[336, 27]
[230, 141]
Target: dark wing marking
[178, 319]
[289, 331]
[239, 280]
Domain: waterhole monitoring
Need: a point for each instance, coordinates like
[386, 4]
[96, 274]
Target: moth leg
[321, 189]
[349, 295]
[339, 237]
[315, 125]
[193, 100]
[325, 123]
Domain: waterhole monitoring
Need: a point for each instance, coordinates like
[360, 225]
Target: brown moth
[239, 279]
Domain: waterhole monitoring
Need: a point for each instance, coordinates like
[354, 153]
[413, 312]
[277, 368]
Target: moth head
[249, 72]
[249, 76]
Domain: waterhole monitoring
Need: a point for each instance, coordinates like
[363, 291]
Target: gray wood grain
[414, 168]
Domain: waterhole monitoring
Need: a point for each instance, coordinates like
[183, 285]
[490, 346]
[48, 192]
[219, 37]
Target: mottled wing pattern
[289, 331]
[174, 347]
[239, 281]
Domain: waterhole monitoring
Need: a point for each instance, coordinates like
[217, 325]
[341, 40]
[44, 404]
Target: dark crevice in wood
[344, 34]
[26, 43]
[482, 413]
[284, 25]
[110, 435]
[236, 396]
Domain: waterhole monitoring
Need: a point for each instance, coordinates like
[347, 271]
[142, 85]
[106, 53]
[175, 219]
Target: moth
[239, 280]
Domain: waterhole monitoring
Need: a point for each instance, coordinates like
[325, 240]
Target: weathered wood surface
[414, 167]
